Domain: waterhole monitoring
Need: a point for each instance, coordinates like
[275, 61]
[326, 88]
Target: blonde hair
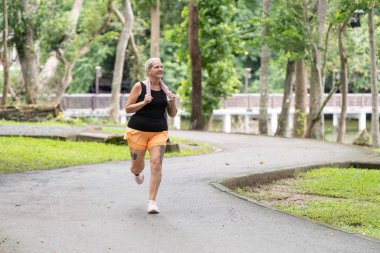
[149, 63]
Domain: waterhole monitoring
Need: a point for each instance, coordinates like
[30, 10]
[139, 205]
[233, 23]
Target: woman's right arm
[131, 105]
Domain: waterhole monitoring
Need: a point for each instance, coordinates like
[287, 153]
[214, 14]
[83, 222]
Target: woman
[148, 129]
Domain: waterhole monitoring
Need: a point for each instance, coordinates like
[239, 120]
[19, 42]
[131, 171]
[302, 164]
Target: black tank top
[152, 117]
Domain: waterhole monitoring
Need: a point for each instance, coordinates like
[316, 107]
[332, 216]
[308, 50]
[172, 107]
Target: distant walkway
[99, 208]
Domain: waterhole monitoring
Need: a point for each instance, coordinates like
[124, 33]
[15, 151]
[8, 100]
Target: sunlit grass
[356, 216]
[24, 154]
[356, 184]
[18, 154]
[347, 198]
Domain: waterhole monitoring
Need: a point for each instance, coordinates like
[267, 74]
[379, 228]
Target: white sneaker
[152, 207]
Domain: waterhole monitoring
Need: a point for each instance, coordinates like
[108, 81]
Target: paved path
[99, 208]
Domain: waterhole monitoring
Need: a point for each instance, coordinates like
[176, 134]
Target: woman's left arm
[172, 107]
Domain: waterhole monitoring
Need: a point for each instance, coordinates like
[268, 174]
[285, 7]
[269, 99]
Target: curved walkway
[99, 208]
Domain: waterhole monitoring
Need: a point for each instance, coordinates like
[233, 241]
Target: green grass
[357, 204]
[356, 216]
[350, 198]
[18, 154]
[356, 184]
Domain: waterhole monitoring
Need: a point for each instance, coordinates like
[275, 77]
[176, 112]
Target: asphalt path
[99, 208]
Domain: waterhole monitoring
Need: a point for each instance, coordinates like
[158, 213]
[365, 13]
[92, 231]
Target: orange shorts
[145, 140]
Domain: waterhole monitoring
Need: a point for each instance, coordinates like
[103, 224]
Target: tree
[120, 58]
[288, 39]
[54, 26]
[283, 120]
[69, 54]
[299, 121]
[196, 68]
[315, 122]
[137, 70]
[49, 70]
[5, 54]
[343, 84]
[25, 37]
[155, 29]
[264, 72]
[341, 18]
[217, 44]
[374, 90]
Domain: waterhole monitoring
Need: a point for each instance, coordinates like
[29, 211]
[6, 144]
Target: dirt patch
[280, 193]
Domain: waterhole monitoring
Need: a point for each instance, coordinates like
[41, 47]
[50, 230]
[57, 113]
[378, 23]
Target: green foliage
[218, 43]
[18, 22]
[247, 55]
[277, 69]
[100, 49]
[357, 52]
[230, 40]
[287, 32]
[56, 27]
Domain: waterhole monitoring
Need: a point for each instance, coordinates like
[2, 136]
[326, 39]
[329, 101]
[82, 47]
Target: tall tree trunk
[64, 83]
[137, 69]
[264, 72]
[51, 65]
[119, 61]
[319, 113]
[283, 120]
[5, 54]
[374, 90]
[155, 29]
[344, 85]
[315, 122]
[299, 121]
[196, 121]
[28, 56]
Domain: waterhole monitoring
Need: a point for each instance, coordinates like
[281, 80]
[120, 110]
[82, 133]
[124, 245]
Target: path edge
[227, 185]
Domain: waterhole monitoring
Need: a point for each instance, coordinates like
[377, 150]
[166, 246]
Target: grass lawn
[346, 198]
[19, 154]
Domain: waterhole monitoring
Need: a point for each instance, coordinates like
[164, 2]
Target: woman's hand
[147, 99]
[132, 106]
[172, 107]
[171, 97]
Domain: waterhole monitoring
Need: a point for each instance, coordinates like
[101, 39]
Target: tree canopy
[84, 34]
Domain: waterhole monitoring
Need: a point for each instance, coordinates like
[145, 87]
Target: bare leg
[156, 156]
[137, 160]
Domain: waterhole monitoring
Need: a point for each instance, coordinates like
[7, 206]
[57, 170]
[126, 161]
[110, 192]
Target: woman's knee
[137, 166]
[137, 169]
[156, 166]
[137, 160]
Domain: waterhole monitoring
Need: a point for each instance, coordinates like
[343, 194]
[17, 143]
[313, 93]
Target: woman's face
[156, 70]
